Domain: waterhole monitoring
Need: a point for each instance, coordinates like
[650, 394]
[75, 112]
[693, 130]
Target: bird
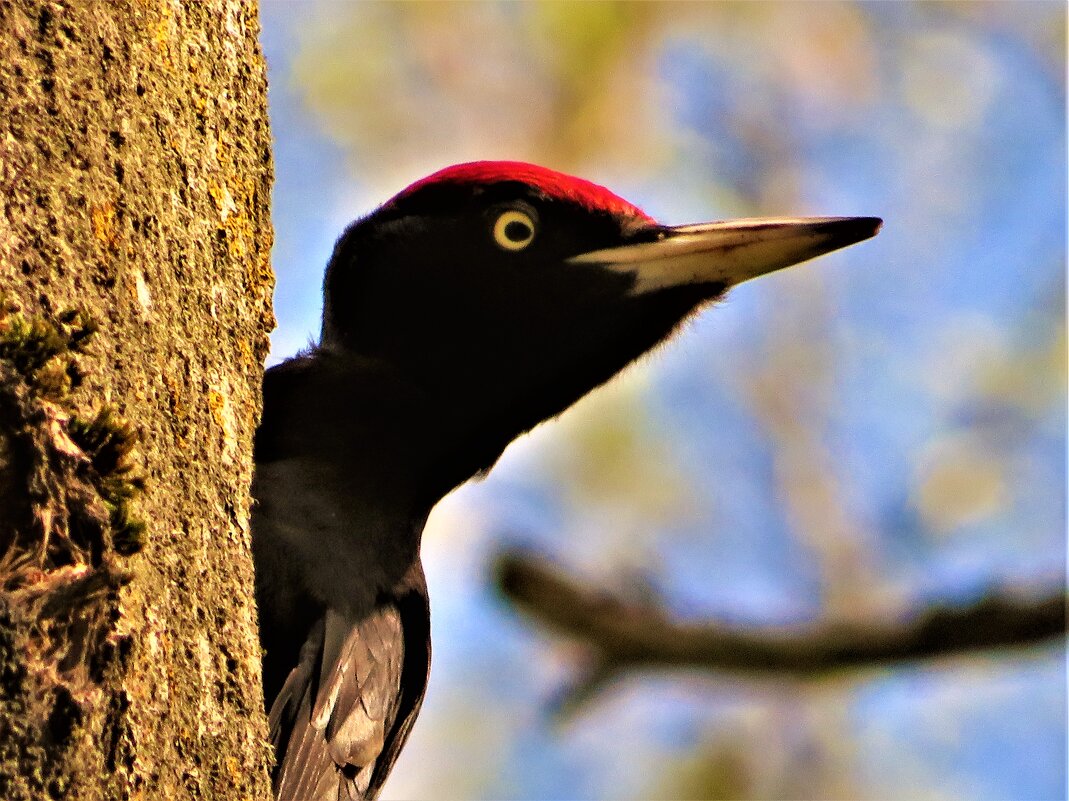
[464, 311]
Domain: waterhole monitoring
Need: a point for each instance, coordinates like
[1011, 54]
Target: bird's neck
[403, 445]
[350, 458]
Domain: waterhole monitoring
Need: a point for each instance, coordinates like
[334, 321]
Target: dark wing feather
[344, 712]
[416, 616]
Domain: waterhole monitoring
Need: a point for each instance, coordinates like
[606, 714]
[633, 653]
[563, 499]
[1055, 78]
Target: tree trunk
[135, 175]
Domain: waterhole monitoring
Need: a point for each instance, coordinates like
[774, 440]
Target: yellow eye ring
[514, 230]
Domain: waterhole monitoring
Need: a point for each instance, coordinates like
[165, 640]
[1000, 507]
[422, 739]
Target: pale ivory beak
[728, 253]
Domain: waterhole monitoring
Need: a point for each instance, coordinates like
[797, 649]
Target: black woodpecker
[463, 312]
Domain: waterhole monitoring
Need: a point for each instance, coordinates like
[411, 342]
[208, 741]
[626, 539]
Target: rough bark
[134, 185]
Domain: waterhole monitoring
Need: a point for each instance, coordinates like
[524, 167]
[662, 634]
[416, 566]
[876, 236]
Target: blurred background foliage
[846, 440]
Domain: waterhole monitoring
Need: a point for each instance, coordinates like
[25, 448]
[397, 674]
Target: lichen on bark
[134, 183]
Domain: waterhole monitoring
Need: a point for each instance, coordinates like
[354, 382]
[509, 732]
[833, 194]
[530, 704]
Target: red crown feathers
[551, 183]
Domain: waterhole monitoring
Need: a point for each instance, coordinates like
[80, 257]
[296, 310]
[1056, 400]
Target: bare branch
[629, 634]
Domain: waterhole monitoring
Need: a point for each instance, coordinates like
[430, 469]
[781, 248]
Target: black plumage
[471, 307]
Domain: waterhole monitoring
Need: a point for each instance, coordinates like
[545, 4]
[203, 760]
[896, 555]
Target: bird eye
[514, 230]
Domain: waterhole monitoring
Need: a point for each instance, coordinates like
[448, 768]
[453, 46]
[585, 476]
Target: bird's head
[508, 291]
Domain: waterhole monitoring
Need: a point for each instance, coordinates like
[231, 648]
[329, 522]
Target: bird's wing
[343, 714]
